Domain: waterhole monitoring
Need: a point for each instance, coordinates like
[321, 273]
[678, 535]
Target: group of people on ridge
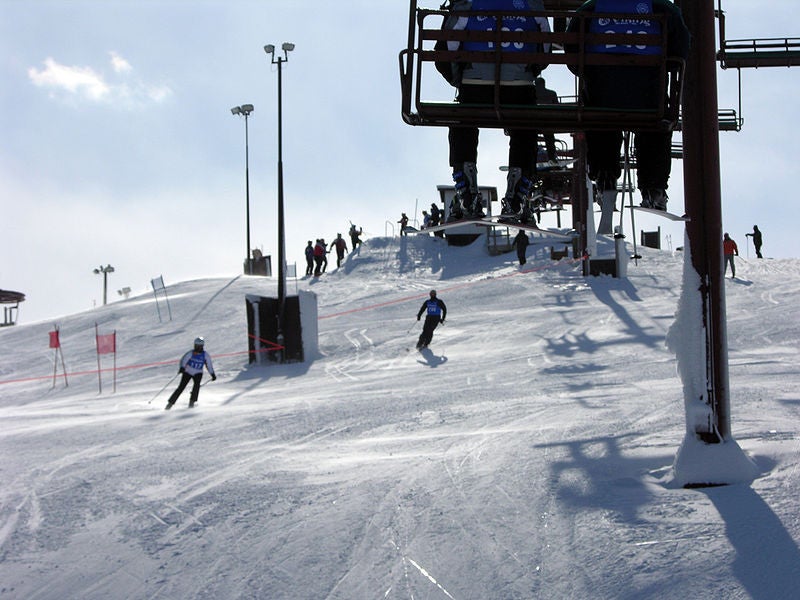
[730, 249]
[317, 253]
[609, 86]
[429, 219]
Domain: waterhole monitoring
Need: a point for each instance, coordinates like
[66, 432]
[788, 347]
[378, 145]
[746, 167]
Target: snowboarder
[756, 235]
[521, 242]
[309, 258]
[729, 249]
[436, 313]
[191, 367]
[341, 248]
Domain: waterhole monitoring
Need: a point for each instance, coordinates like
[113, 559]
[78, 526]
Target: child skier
[192, 364]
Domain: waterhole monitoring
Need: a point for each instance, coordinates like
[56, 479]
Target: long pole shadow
[767, 560]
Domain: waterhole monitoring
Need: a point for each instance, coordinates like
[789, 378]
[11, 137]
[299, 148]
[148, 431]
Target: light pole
[245, 110]
[105, 271]
[270, 49]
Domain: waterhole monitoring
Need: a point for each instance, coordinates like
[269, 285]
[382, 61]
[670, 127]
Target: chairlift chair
[420, 55]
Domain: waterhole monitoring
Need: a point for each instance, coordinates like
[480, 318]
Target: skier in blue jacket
[436, 312]
[191, 367]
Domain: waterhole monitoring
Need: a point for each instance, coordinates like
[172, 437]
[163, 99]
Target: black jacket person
[436, 313]
[521, 242]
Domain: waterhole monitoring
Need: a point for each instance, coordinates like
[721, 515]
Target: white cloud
[119, 64]
[76, 80]
[86, 83]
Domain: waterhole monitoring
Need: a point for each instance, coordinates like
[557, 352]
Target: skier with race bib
[436, 312]
[191, 367]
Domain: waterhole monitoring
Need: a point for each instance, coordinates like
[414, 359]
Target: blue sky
[119, 146]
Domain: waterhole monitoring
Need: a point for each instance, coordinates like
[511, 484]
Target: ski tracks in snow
[360, 355]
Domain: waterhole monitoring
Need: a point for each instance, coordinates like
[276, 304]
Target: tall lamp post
[279, 60]
[105, 271]
[245, 110]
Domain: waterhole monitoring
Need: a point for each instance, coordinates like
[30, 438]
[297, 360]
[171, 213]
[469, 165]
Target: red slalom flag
[107, 344]
[54, 341]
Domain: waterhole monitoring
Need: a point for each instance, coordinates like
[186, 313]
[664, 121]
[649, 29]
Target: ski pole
[163, 388]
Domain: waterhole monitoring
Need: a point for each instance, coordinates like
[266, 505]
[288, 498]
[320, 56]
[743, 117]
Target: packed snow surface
[528, 453]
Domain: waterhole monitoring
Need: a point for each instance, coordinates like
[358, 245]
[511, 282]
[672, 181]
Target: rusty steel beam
[703, 200]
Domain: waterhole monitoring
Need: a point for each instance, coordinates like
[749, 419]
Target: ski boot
[456, 211]
[467, 194]
[517, 190]
[654, 198]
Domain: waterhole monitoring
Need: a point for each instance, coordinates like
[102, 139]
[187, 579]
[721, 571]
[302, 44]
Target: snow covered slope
[526, 454]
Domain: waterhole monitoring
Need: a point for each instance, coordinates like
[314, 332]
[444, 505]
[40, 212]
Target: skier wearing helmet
[191, 367]
[436, 312]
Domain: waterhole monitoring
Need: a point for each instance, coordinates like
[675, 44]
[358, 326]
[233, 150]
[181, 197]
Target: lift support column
[703, 202]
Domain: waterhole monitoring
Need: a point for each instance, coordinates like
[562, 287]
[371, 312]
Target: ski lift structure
[10, 301]
[421, 55]
[423, 103]
[690, 105]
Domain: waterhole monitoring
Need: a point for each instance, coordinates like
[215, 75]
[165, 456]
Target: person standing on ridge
[319, 257]
[403, 224]
[309, 258]
[191, 367]
[324, 254]
[521, 242]
[756, 235]
[436, 312]
[729, 249]
[475, 83]
[355, 240]
[341, 248]
[435, 215]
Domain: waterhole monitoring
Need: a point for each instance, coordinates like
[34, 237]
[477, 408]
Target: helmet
[199, 341]
[433, 293]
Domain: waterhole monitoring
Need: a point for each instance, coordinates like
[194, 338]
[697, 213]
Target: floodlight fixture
[105, 271]
[236, 110]
[270, 49]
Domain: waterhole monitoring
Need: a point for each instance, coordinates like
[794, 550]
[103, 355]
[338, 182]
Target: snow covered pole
[97, 351]
[115, 361]
[708, 455]
[702, 191]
